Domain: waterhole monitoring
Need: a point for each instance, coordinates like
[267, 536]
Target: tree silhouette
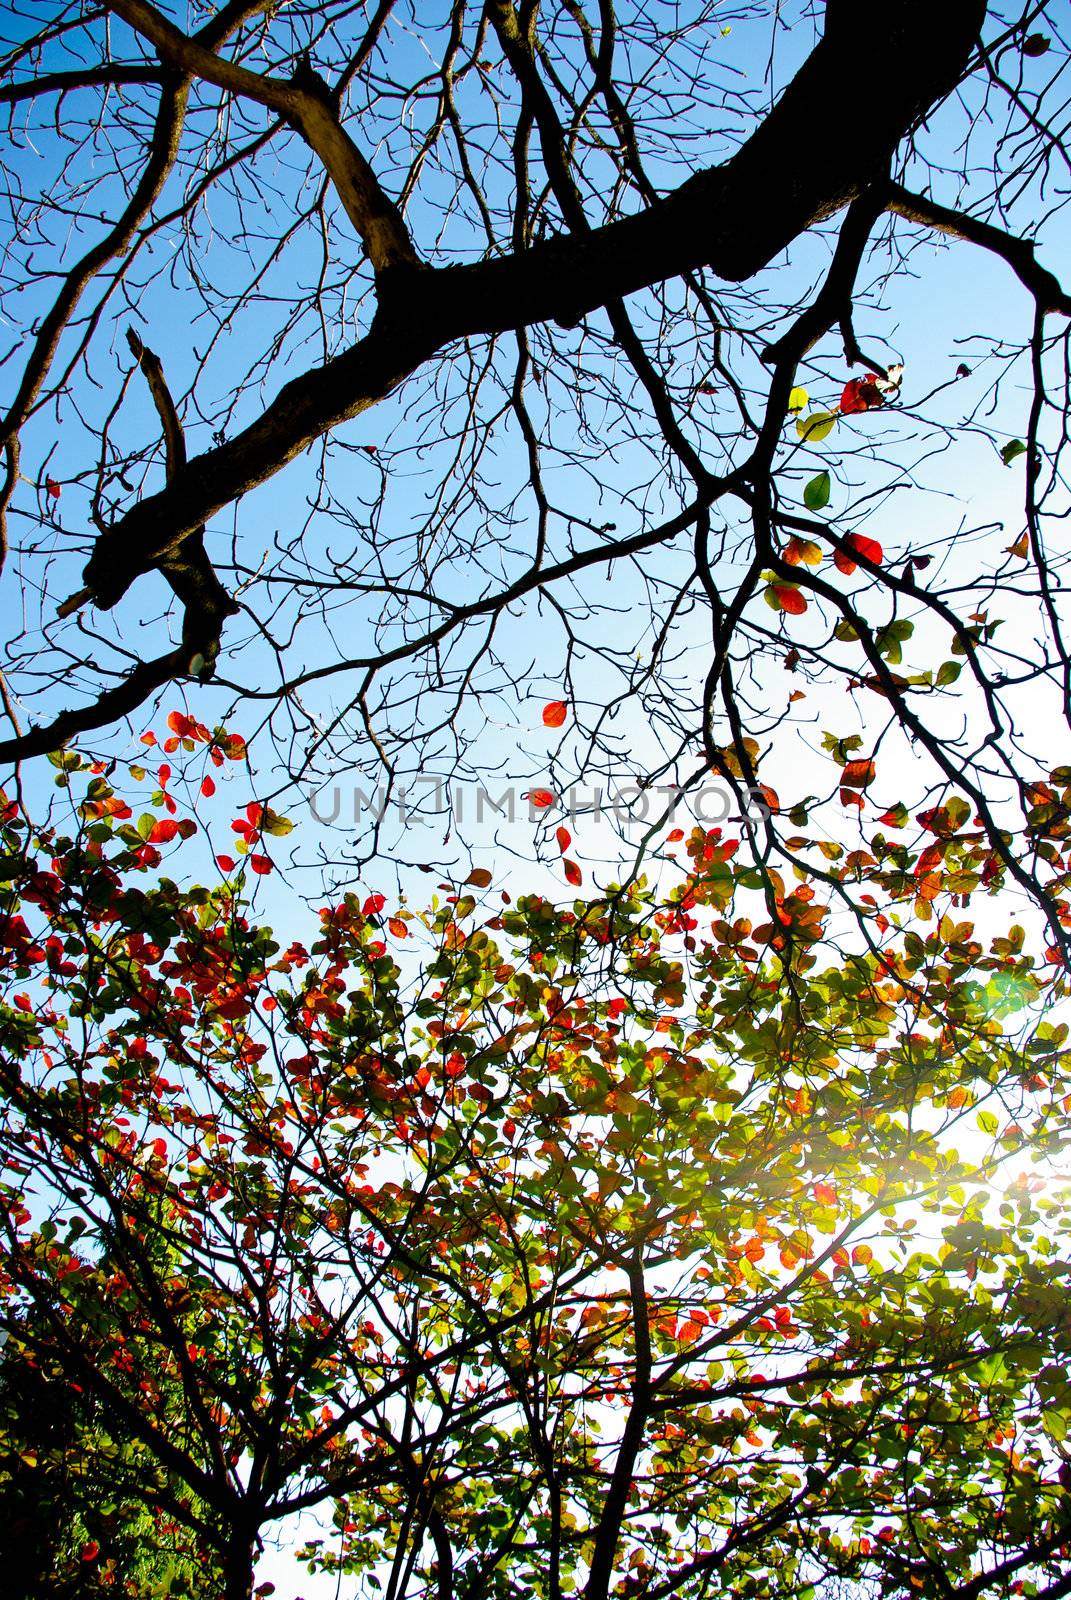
[516, 309]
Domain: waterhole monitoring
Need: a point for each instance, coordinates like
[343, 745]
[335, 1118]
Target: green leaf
[1013, 448]
[948, 672]
[816, 494]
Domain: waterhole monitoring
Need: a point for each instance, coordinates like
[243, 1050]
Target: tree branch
[1018, 253]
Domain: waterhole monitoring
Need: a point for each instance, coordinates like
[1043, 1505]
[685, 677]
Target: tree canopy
[583, 348]
[621, 1247]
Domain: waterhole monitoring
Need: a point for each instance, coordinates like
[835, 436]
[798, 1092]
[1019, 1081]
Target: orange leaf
[554, 713]
[825, 1194]
[857, 774]
[163, 831]
[573, 873]
[564, 838]
[790, 600]
[861, 1255]
[398, 928]
[541, 798]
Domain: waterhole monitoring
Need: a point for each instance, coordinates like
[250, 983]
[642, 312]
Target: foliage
[78, 1503]
[646, 1245]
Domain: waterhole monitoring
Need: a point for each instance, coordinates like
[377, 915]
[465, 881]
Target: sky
[952, 304]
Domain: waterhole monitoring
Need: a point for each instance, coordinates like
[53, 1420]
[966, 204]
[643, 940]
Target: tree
[77, 1499]
[624, 1247]
[548, 244]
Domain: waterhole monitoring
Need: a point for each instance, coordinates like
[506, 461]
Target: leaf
[554, 713]
[816, 494]
[863, 394]
[163, 831]
[540, 798]
[52, 489]
[564, 839]
[857, 775]
[479, 878]
[862, 1255]
[816, 427]
[786, 597]
[1020, 548]
[261, 865]
[948, 672]
[804, 550]
[1013, 448]
[573, 873]
[869, 549]
[1036, 44]
[797, 400]
[208, 787]
[271, 822]
[825, 1194]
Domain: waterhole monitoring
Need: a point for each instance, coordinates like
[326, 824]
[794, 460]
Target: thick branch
[1018, 253]
[306, 102]
[711, 220]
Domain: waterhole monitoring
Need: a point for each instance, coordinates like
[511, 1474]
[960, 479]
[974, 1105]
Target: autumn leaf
[554, 713]
[540, 798]
[261, 865]
[52, 489]
[816, 427]
[857, 774]
[802, 550]
[163, 831]
[786, 597]
[860, 394]
[564, 839]
[573, 873]
[479, 878]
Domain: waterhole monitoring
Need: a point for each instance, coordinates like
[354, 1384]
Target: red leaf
[208, 788]
[860, 394]
[790, 600]
[374, 905]
[540, 798]
[52, 489]
[90, 1551]
[163, 831]
[675, 837]
[554, 713]
[181, 724]
[260, 865]
[564, 838]
[843, 563]
[573, 873]
[869, 549]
